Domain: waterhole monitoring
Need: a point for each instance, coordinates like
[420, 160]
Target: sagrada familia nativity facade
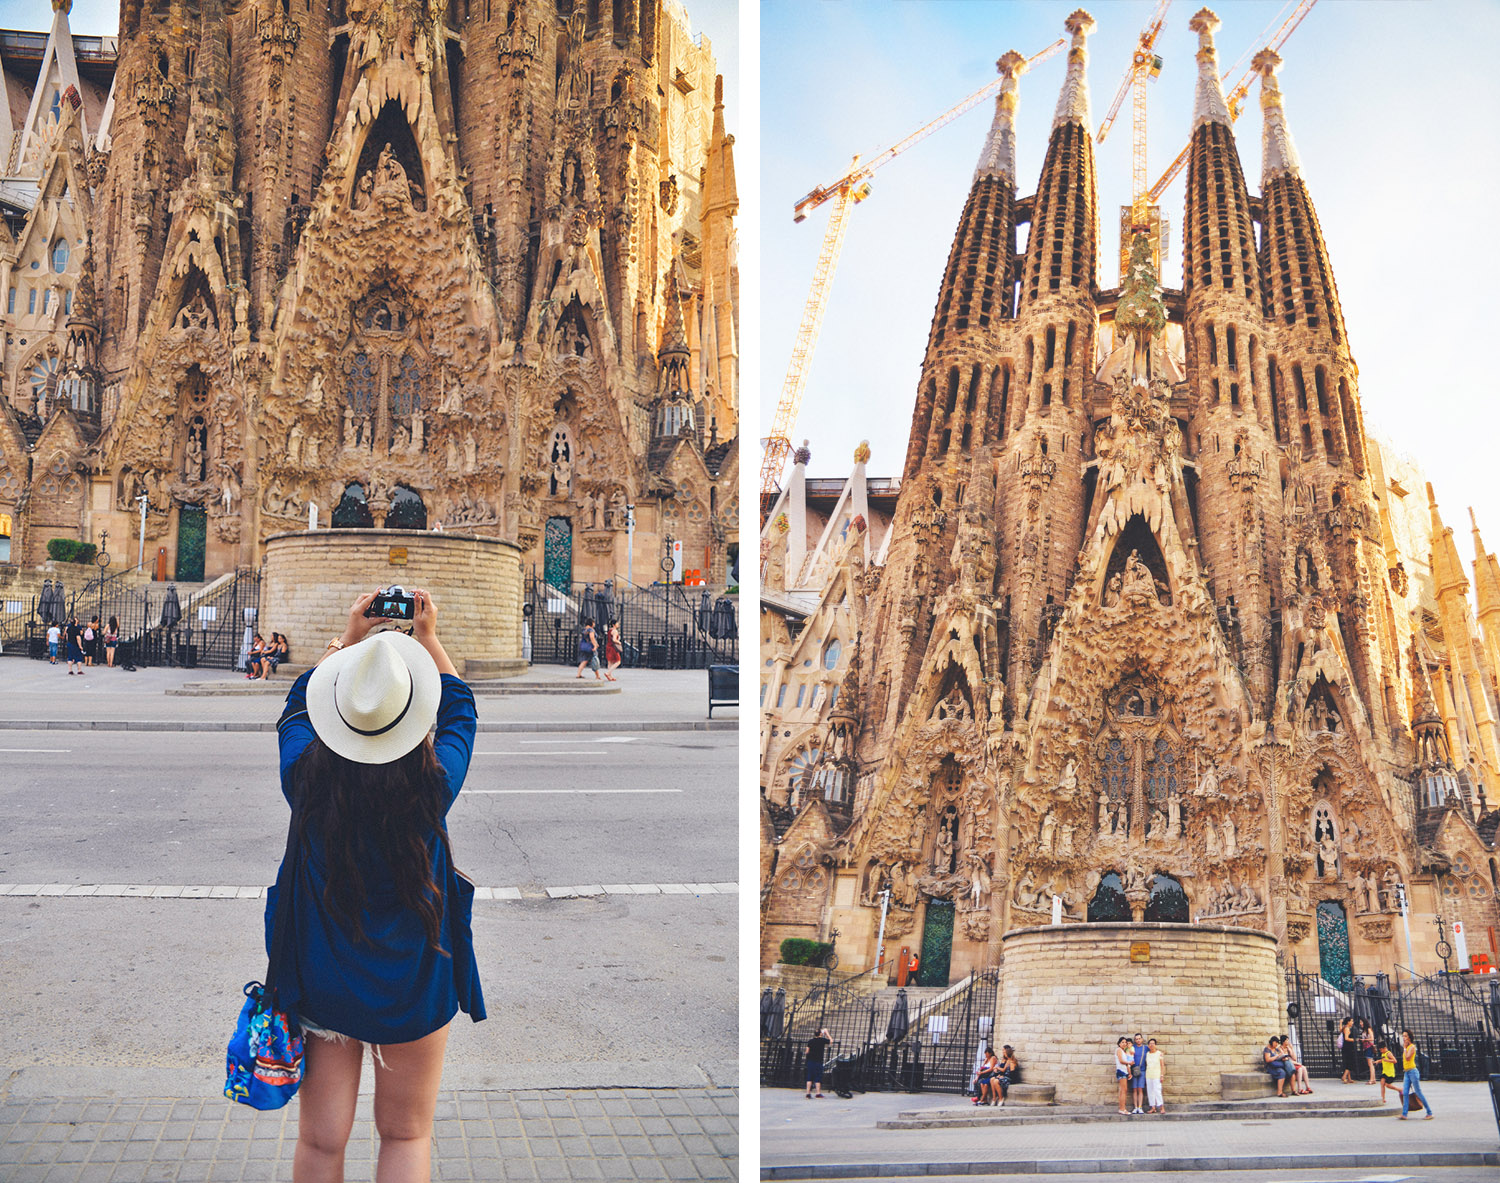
[1153, 628]
[390, 262]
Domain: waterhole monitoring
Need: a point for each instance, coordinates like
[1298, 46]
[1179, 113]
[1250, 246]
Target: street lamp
[102, 558]
[1411, 959]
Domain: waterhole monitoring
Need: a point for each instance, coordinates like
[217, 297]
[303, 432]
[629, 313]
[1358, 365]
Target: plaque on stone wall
[1140, 951]
[398, 556]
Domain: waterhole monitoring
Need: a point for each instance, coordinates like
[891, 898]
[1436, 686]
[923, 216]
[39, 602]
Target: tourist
[382, 947]
[1010, 1073]
[1367, 1049]
[817, 1048]
[1411, 1081]
[588, 649]
[75, 646]
[1343, 1046]
[1387, 1070]
[1123, 1066]
[273, 655]
[1154, 1077]
[1138, 1071]
[989, 1068]
[252, 662]
[612, 655]
[111, 641]
[1275, 1066]
[91, 641]
[54, 639]
[1295, 1070]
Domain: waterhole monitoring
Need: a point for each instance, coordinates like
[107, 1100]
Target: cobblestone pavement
[836, 1138]
[484, 1137]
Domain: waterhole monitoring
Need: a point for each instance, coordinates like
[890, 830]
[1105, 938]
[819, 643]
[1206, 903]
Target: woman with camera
[383, 948]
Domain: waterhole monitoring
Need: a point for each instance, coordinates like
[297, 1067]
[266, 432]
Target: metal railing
[1454, 1018]
[882, 1043]
[661, 627]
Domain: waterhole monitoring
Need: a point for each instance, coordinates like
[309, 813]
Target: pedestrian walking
[91, 640]
[588, 649]
[382, 952]
[1387, 1070]
[54, 639]
[612, 655]
[817, 1048]
[1367, 1049]
[1155, 1075]
[1411, 1081]
[1124, 1062]
[1138, 1071]
[111, 641]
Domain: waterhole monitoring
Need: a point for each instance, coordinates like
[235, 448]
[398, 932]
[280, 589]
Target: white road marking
[559, 752]
[553, 792]
[232, 892]
[55, 751]
[603, 739]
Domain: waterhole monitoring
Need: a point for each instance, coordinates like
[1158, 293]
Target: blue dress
[393, 987]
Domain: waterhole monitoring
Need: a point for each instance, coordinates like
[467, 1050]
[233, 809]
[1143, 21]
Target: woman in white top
[1155, 1065]
[1124, 1061]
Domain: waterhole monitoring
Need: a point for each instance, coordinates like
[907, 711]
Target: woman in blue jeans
[1412, 1081]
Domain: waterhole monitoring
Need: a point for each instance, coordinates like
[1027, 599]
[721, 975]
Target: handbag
[263, 1067]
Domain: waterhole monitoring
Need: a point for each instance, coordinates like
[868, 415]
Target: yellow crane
[1235, 99]
[1145, 65]
[846, 192]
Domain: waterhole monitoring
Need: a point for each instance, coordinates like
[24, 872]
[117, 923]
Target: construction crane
[1235, 99]
[847, 192]
[1145, 64]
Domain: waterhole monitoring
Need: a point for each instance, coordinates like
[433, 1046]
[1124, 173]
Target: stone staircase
[968, 1115]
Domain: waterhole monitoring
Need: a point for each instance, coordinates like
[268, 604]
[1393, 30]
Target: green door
[937, 944]
[192, 535]
[557, 556]
[1333, 945]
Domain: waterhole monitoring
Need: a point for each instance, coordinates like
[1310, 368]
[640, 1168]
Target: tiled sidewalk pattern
[479, 1137]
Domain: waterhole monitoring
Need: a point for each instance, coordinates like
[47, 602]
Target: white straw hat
[374, 701]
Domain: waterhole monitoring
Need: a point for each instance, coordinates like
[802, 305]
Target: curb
[494, 728]
[1067, 1166]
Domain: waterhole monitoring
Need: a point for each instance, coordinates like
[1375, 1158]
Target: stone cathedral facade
[1155, 631]
[466, 263]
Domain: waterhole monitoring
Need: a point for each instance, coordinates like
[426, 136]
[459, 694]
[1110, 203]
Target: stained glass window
[60, 256]
[362, 385]
[1161, 773]
[1117, 769]
[406, 387]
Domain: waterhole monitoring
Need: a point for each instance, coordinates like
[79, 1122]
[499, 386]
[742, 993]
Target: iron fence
[661, 627]
[211, 631]
[880, 1043]
[1454, 1018]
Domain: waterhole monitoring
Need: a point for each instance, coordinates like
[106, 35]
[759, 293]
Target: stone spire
[1208, 103]
[210, 140]
[1447, 571]
[1278, 153]
[673, 333]
[1424, 705]
[999, 156]
[1073, 102]
[1486, 574]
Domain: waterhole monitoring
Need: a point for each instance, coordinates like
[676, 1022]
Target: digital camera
[394, 603]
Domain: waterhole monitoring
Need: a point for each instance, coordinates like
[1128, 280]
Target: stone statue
[944, 858]
[1229, 837]
[1174, 817]
[1069, 782]
[1049, 834]
[1211, 837]
[1208, 783]
[617, 510]
[1138, 584]
[589, 509]
[471, 452]
[417, 432]
[1112, 591]
[1065, 845]
[348, 428]
[1391, 897]
[452, 455]
[315, 390]
[294, 445]
[1103, 812]
[979, 879]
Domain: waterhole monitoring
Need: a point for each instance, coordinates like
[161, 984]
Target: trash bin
[843, 1073]
[190, 657]
[656, 655]
[1452, 1061]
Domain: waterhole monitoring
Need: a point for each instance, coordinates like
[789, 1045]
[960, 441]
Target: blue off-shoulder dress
[392, 987]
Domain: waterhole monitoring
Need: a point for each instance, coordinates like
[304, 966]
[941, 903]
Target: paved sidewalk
[834, 1138]
[479, 1136]
[37, 696]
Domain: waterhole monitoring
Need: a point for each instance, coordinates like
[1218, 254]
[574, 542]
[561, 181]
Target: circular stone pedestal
[312, 577]
[1210, 996]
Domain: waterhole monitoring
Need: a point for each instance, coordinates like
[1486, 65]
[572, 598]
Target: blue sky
[1391, 106]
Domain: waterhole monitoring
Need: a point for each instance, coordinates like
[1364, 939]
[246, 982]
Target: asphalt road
[1414, 1174]
[617, 990]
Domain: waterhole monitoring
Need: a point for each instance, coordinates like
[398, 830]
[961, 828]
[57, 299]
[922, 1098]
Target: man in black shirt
[817, 1047]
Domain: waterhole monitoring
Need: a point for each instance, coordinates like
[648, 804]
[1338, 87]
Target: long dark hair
[391, 810]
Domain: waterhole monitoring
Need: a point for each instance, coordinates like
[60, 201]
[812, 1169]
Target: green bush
[800, 951]
[68, 550]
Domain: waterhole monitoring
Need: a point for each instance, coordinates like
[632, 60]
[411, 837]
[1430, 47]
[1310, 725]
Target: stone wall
[311, 578]
[1210, 996]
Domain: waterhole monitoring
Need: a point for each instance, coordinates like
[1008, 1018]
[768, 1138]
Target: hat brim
[427, 692]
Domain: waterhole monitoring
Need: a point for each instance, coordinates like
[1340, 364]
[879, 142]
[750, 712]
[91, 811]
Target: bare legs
[406, 1091]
